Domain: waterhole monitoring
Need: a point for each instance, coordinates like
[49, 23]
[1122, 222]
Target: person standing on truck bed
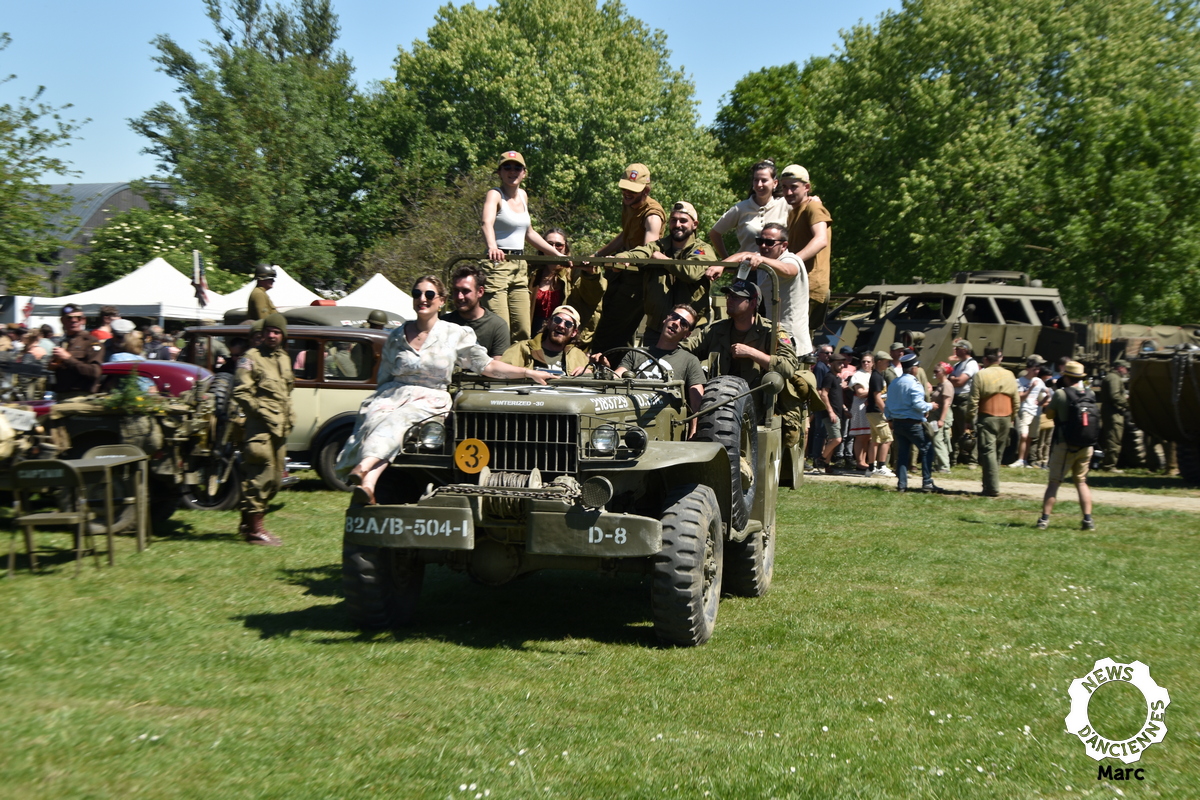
[263, 393]
[810, 236]
[260, 305]
[468, 286]
[642, 220]
[748, 218]
[76, 361]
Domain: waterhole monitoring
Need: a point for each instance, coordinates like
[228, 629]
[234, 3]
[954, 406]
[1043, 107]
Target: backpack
[1082, 428]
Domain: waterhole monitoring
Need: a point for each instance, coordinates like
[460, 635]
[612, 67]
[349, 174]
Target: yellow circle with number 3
[471, 456]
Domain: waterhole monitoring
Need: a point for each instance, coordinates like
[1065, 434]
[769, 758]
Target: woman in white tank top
[506, 228]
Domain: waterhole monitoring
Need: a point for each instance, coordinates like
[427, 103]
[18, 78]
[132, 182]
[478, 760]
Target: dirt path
[1152, 502]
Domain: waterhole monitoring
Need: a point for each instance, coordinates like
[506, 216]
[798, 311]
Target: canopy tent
[382, 294]
[286, 293]
[153, 290]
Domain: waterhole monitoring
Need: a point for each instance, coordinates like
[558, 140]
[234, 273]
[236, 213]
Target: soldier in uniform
[77, 358]
[377, 320]
[260, 306]
[263, 393]
[1114, 402]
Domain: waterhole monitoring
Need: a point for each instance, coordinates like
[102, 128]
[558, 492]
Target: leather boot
[258, 533]
[244, 525]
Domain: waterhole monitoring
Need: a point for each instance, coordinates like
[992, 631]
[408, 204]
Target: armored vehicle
[589, 473]
[990, 309]
[1164, 399]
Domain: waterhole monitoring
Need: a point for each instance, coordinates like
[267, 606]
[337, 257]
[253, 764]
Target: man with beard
[263, 393]
[669, 361]
[467, 289]
[77, 358]
[553, 350]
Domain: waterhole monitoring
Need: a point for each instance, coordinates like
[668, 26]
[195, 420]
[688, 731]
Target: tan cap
[567, 311]
[964, 344]
[883, 355]
[510, 155]
[795, 171]
[687, 208]
[636, 178]
[1073, 369]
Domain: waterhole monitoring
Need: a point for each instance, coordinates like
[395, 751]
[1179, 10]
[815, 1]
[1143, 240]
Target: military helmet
[264, 272]
[378, 317]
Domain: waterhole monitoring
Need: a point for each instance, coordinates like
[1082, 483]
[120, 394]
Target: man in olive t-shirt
[467, 288]
[810, 237]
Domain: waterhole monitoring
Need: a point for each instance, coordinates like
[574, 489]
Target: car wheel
[327, 458]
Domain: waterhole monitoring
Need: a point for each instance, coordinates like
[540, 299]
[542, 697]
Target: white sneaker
[1020, 462]
[884, 472]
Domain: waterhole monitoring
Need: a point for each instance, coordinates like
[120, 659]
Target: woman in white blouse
[749, 216]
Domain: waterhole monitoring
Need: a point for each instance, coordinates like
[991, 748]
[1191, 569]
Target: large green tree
[270, 149]
[580, 89]
[29, 131]
[1060, 139]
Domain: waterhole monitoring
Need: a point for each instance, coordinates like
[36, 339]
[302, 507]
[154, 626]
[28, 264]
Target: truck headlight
[604, 440]
[433, 436]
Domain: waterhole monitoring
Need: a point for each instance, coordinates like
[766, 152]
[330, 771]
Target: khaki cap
[567, 311]
[883, 355]
[510, 155]
[687, 208]
[795, 171]
[636, 178]
[964, 344]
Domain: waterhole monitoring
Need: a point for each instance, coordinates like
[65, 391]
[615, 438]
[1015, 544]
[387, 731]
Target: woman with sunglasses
[506, 228]
[748, 217]
[549, 286]
[414, 371]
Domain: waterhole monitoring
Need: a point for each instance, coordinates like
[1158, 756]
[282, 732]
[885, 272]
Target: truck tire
[750, 564]
[687, 571]
[382, 585]
[327, 458]
[221, 388]
[1188, 456]
[227, 493]
[733, 427]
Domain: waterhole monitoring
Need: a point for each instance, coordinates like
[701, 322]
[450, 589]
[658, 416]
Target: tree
[271, 150]
[134, 237]
[1008, 134]
[29, 129]
[580, 90]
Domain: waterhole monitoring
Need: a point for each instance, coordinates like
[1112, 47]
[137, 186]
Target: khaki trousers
[508, 295]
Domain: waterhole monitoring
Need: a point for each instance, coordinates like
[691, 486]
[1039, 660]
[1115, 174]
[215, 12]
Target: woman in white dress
[418, 360]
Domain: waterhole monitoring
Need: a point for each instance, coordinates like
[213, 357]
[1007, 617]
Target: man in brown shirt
[260, 305]
[642, 220]
[996, 399]
[810, 237]
[78, 357]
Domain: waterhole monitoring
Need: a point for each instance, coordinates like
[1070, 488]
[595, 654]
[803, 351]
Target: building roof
[86, 200]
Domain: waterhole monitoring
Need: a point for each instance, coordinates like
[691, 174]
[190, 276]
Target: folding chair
[43, 476]
[140, 497]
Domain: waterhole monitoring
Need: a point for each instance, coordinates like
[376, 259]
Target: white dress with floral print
[412, 389]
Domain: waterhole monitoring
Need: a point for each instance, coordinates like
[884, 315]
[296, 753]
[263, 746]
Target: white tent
[153, 290]
[382, 294]
[286, 293]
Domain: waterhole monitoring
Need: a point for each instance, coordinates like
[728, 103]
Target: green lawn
[912, 646]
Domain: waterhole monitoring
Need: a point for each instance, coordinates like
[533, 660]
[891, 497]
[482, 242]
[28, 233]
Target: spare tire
[221, 388]
[732, 426]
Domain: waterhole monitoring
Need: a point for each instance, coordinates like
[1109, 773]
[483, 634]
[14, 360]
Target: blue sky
[98, 56]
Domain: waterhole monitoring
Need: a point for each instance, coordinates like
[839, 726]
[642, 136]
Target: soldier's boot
[258, 533]
[244, 526]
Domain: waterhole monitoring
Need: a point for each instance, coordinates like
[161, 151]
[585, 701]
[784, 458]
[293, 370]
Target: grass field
[912, 646]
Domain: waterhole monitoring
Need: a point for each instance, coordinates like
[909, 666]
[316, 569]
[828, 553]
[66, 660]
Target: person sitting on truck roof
[553, 350]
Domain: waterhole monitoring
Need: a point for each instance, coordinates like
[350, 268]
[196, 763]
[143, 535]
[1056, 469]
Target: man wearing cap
[905, 409]
[76, 361]
[553, 350]
[263, 394]
[740, 345]
[810, 237]
[1064, 459]
[881, 431]
[120, 328]
[992, 411]
[642, 222]
[671, 284]
[1031, 389]
[467, 288]
[965, 369]
[1114, 403]
[260, 305]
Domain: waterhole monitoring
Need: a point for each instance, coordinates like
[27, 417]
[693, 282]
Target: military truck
[591, 473]
[990, 309]
[1164, 399]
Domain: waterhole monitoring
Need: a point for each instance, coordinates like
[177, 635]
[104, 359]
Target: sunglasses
[761, 240]
[682, 320]
[559, 245]
[429, 295]
[563, 322]
[513, 166]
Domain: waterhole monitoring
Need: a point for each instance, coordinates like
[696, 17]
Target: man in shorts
[881, 432]
[1064, 459]
[835, 408]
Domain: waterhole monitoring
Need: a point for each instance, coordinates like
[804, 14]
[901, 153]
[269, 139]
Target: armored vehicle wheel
[1188, 456]
[732, 426]
[382, 585]
[687, 571]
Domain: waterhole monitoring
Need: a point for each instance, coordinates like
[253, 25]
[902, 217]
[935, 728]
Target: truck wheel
[1188, 456]
[221, 388]
[382, 585]
[687, 571]
[327, 458]
[204, 496]
[732, 426]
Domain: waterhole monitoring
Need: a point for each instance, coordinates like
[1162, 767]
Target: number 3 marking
[471, 456]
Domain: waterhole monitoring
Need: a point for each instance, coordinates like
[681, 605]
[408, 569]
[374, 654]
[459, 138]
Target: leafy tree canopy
[269, 148]
[29, 130]
[1060, 139]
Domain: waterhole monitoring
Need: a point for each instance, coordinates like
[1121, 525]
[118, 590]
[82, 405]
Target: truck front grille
[520, 442]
